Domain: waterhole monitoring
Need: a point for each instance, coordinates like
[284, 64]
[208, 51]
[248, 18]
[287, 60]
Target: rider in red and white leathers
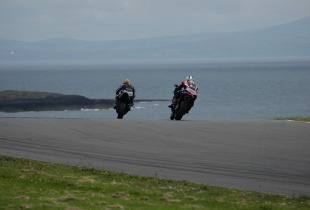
[188, 83]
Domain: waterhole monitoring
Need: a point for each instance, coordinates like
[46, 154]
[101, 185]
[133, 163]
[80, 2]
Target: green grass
[301, 119]
[27, 184]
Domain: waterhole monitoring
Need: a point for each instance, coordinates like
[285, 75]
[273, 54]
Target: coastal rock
[16, 101]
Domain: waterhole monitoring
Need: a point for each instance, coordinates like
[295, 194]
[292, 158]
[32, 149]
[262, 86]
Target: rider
[125, 86]
[187, 83]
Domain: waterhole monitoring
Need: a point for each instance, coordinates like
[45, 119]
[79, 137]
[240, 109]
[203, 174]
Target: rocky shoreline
[21, 101]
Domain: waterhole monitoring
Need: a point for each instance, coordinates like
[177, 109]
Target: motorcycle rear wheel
[121, 111]
[172, 115]
[181, 111]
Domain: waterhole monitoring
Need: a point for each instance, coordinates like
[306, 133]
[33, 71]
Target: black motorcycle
[185, 102]
[124, 103]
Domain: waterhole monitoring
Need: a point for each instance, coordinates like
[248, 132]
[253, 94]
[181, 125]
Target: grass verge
[301, 119]
[28, 184]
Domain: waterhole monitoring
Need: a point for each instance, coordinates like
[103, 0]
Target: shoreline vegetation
[299, 119]
[21, 101]
[31, 184]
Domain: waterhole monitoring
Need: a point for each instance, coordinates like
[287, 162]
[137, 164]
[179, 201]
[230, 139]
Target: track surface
[265, 156]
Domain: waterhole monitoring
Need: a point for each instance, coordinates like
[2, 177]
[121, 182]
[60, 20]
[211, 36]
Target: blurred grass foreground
[28, 184]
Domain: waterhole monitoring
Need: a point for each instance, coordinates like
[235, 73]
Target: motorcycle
[124, 103]
[184, 103]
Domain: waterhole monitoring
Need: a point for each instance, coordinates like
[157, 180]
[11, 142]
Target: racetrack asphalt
[264, 156]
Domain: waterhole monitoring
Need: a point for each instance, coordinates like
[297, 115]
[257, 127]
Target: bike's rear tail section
[124, 102]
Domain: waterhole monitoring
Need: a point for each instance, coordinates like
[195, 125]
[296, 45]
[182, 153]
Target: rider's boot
[174, 101]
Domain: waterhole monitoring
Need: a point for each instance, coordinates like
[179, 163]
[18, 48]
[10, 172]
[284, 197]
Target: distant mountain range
[291, 39]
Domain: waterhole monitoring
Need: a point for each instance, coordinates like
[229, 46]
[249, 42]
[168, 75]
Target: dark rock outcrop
[15, 101]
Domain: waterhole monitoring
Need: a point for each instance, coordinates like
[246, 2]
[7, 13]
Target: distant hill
[291, 39]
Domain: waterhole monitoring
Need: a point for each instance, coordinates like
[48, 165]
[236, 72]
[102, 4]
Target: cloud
[127, 19]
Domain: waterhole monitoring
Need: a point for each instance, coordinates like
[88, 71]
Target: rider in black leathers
[125, 86]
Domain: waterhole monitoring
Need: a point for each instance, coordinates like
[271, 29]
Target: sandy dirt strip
[265, 156]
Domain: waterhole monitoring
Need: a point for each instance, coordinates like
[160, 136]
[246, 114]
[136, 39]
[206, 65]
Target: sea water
[254, 90]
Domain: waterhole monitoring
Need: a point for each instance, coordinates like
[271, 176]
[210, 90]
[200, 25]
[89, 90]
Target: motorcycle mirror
[175, 85]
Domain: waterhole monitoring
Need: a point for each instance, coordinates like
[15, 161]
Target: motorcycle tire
[172, 115]
[121, 111]
[181, 111]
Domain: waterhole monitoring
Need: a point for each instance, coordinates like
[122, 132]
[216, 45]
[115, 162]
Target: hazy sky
[31, 20]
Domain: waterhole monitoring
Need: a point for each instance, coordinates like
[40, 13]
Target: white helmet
[190, 79]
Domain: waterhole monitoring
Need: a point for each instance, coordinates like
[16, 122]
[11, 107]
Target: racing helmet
[126, 81]
[190, 79]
